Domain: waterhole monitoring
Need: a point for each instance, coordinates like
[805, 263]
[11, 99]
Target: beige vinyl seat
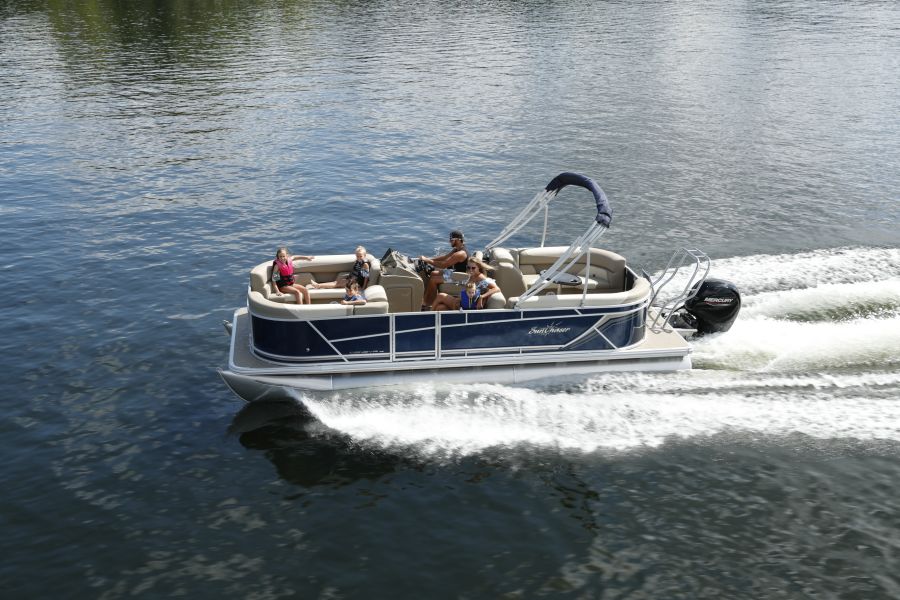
[638, 292]
[321, 269]
[507, 273]
[496, 301]
[263, 299]
[377, 304]
[607, 269]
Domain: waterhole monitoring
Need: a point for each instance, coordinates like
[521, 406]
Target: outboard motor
[712, 309]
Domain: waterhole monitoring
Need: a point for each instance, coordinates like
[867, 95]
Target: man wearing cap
[455, 259]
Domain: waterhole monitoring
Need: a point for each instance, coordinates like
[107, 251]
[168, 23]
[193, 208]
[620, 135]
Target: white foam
[815, 351]
[188, 317]
[617, 412]
[826, 301]
[769, 272]
[773, 272]
[707, 381]
[763, 344]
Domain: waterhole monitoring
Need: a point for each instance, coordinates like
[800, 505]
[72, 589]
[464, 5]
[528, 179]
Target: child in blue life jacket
[352, 297]
[468, 300]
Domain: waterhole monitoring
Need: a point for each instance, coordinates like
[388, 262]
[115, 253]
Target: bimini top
[604, 211]
[541, 203]
[580, 246]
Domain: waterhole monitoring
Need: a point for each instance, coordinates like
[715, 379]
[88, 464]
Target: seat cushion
[375, 293]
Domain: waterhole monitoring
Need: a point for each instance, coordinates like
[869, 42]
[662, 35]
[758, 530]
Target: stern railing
[690, 261]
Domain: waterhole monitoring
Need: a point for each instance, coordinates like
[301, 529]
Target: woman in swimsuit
[485, 286]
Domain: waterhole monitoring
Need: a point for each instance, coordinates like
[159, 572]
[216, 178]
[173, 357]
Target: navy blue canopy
[604, 211]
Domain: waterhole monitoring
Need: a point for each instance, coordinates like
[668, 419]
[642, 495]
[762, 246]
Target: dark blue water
[152, 152]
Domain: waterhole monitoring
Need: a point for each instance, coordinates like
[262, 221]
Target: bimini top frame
[580, 246]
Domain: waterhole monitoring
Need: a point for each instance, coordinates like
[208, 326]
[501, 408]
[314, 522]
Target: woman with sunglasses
[455, 259]
[484, 285]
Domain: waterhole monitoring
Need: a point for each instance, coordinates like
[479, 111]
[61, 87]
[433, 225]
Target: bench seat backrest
[607, 268]
[321, 269]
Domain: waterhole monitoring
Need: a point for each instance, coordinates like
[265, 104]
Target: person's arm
[438, 261]
[450, 259]
[272, 279]
[429, 260]
[490, 291]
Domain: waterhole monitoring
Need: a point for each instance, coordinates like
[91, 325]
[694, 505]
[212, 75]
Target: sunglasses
[471, 268]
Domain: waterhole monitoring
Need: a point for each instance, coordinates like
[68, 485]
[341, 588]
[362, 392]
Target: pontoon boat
[562, 310]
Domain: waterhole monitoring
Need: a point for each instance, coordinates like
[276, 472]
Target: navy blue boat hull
[409, 336]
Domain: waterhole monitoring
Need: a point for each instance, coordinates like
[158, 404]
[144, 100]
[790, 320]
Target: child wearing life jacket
[485, 287]
[352, 297]
[468, 300]
[283, 275]
[359, 273]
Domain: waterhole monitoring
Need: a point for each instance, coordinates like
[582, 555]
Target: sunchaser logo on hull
[548, 329]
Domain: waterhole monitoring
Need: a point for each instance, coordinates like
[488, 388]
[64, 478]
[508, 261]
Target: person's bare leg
[432, 287]
[439, 302]
[330, 285]
[446, 302]
[289, 289]
[305, 293]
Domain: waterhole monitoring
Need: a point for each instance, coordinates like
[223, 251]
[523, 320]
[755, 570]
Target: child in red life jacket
[283, 275]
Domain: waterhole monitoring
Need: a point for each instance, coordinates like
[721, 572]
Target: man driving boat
[455, 259]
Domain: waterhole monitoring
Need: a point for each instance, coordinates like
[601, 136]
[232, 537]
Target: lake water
[151, 152]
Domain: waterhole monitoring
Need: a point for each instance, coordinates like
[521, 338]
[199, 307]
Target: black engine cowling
[714, 307]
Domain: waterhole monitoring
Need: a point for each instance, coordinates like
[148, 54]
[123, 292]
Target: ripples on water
[152, 151]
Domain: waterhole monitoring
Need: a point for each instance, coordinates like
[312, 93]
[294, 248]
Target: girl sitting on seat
[283, 275]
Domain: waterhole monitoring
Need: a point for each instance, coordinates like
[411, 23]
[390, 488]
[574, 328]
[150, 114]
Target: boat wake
[815, 352]
[764, 344]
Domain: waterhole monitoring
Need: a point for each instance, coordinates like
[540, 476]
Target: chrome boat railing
[686, 260]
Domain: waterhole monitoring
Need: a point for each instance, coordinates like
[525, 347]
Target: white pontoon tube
[580, 246]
